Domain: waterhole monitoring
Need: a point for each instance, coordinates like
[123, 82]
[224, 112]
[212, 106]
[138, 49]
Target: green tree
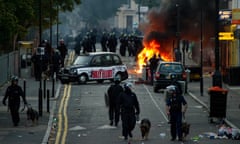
[17, 16]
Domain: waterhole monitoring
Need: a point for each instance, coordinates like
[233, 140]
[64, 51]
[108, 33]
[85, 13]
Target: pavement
[25, 133]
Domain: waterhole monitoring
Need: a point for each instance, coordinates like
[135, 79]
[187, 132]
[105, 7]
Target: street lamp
[201, 52]
[57, 22]
[139, 12]
[217, 78]
[40, 21]
[50, 22]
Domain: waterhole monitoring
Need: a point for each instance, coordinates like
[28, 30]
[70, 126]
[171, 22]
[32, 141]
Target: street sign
[226, 36]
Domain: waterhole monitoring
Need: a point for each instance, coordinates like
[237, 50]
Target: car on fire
[94, 66]
[162, 76]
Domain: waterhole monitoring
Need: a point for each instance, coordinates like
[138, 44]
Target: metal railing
[9, 64]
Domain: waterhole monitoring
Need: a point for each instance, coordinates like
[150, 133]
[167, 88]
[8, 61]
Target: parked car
[162, 76]
[97, 66]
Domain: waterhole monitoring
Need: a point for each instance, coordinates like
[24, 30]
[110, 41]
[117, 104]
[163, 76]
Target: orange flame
[148, 51]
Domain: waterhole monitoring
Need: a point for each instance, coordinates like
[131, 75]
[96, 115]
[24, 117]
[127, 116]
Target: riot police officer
[13, 93]
[129, 106]
[174, 110]
[113, 93]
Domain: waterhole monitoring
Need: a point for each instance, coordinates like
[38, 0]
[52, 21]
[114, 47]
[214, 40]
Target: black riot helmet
[14, 79]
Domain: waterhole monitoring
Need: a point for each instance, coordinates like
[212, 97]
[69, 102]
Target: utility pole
[217, 78]
[201, 53]
[40, 21]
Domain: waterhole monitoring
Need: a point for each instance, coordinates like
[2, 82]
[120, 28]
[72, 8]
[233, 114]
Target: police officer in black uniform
[113, 92]
[104, 39]
[153, 66]
[175, 111]
[13, 93]
[129, 110]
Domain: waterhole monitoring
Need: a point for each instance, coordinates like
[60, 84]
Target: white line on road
[154, 101]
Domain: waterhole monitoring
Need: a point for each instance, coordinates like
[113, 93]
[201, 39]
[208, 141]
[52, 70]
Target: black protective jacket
[129, 103]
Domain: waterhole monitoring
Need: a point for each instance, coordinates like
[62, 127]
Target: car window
[96, 61]
[171, 67]
[106, 60]
[82, 60]
[116, 60]
[177, 68]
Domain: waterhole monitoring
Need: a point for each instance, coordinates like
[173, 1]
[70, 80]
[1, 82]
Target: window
[96, 61]
[116, 60]
[106, 60]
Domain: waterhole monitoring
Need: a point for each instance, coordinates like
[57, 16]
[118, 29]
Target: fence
[10, 65]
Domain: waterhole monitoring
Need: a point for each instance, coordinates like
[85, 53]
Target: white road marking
[155, 103]
[76, 128]
[107, 127]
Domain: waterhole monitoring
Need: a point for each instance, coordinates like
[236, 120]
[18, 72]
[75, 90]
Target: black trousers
[114, 113]
[176, 124]
[128, 123]
[14, 110]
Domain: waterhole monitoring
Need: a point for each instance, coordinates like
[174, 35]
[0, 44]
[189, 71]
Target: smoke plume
[181, 17]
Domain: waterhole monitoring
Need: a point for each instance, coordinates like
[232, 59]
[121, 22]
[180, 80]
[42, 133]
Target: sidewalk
[233, 99]
[25, 133]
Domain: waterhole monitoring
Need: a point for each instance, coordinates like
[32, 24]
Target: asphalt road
[85, 119]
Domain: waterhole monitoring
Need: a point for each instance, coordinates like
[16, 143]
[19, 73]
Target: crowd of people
[123, 103]
[48, 60]
[129, 43]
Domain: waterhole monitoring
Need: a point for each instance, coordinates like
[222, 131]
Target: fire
[148, 51]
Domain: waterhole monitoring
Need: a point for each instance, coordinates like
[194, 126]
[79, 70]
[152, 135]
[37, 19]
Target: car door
[101, 68]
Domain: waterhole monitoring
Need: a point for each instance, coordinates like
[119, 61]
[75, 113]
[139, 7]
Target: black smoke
[181, 20]
[181, 17]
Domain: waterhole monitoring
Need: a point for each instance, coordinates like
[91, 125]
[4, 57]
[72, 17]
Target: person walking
[63, 51]
[175, 82]
[113, 93]
[13, 93]
[176, 107]
[153, 66]
[130, 110]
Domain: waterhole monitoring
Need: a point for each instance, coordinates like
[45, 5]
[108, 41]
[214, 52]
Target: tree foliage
[17, 16]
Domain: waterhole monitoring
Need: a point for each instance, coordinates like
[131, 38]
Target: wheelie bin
[218, 103]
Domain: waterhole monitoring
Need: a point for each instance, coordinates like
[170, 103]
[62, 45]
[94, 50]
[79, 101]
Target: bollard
[53, 87]
[24, 88]
[40, 102]
[44, 88]
[48, 92]
[187, 80]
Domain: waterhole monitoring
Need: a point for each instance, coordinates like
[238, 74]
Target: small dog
[32, 115]
[185, 130]
[145, 126]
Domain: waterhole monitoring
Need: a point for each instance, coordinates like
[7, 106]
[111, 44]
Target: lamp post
[201, 52]
[217, 78]
[57, 22]
[50, 22]
[139, 11]
[40, 21]
[178, 26]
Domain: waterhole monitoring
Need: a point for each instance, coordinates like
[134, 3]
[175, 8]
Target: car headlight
[73, 71]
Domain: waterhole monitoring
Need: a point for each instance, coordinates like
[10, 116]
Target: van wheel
[83, 79]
